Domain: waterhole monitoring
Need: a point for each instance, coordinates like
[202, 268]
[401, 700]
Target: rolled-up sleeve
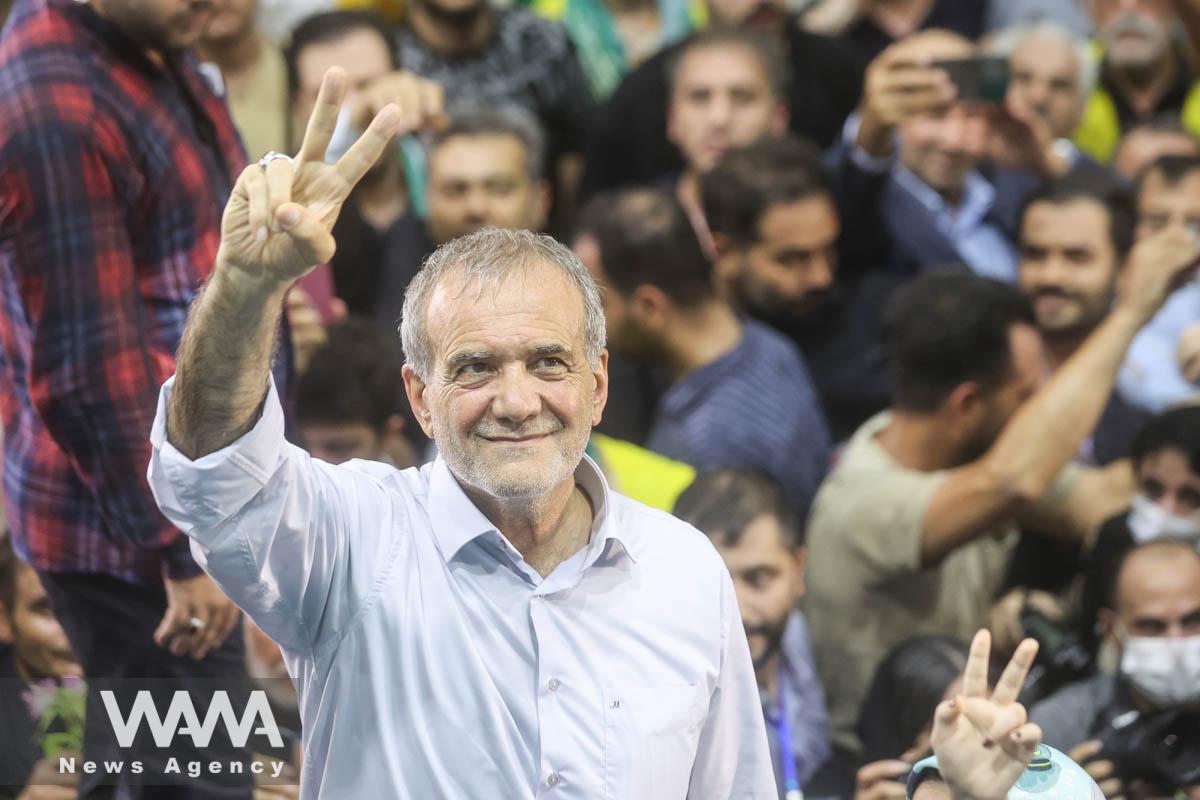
[733, 759]
[274, 527]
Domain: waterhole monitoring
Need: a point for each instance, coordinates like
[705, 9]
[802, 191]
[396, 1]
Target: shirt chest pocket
[650, 740]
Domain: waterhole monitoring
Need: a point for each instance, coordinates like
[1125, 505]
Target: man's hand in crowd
[1158, 264]
[1004, 619]
[47, 783]
[882, 780]
[1018, 138]
[1189, 353]
[191, 601]
[898, 86]
[1103, 771]
[983, 742]
[422, 102]
[279, 220]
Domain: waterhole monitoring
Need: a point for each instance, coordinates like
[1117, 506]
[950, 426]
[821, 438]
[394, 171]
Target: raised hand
[898, 85]
[279, 220]
[982, 741]
[1157, 265]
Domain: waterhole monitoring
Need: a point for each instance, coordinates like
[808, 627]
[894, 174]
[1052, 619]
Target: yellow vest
[639, 473]
[1099, 131]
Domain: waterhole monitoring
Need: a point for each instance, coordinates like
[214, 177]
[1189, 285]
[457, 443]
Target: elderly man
[1053, 74]
[498, 623]
[1144, 74]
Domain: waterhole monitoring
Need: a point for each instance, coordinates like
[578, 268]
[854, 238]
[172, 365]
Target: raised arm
[1044, 435]
[276, 228]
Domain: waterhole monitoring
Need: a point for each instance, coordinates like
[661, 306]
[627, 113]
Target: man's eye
[550, 362]
[472, 369]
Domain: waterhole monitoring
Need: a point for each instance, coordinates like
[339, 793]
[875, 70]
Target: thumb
[308, 233]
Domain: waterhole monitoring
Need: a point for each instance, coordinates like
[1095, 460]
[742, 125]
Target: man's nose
[720, 111]
[516, 398]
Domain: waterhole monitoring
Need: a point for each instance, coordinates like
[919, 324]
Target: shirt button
[553, 685]
[553, 780]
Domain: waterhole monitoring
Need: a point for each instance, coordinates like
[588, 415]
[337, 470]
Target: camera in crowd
[1160, 748]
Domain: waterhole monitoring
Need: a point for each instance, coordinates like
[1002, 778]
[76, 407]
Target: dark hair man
[117, 158]
[485, 56]
[740, 394]
[754, 527]
[1168, 194]
[912, 531]
[727, 90]
[1075, 235]
[783, 258]
[350, 399]
[630, 146]
[382, 238]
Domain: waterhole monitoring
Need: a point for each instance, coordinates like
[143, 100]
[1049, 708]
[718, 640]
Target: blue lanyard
[787, 755]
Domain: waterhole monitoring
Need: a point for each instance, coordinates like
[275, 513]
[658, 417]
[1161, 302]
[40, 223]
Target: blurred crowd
[901, 298]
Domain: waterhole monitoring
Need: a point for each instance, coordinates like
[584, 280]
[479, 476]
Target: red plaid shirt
[114, 171]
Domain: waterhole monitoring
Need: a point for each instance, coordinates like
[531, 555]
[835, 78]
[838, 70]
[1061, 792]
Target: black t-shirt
[843, 346]
[372, 268]
[629, 145]
[965, 17]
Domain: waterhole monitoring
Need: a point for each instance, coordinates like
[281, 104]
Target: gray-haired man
[499, 623]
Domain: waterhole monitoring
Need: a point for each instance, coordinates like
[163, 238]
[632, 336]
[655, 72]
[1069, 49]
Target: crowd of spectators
[916, 360]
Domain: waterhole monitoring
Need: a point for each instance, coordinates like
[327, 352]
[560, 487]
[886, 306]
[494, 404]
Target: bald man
[940, 204]
[1154, 625]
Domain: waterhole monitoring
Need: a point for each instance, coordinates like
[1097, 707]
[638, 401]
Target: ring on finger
[272, 156]
[197, 624]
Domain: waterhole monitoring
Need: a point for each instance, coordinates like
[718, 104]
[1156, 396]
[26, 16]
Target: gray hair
[487, 258]
[506, 120]
[1006, 41]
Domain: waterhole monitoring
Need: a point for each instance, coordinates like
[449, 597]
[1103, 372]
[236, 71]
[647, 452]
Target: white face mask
[1148, 521]
[1164, 671]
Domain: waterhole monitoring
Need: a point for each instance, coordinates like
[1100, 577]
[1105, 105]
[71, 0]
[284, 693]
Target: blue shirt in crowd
[753, 408]
[1150, 376]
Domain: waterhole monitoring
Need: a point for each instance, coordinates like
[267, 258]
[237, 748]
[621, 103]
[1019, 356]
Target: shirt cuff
[876, 165]
[203, 493]
[177, 561]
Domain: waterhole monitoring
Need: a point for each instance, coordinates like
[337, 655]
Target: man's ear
[726, 259]
[1106, 624]
[966, 404]
[650, 307]
[415, 389]
[6, 631]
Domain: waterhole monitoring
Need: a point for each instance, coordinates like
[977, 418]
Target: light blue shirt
[431, 661]
[982, 246]
[1150, 376]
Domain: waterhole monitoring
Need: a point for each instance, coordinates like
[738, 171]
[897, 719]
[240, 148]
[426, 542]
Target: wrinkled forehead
[721, 64]
[527, 305]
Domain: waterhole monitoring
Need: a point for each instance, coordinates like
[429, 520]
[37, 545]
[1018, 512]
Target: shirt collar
[457, 521]
[978, 196]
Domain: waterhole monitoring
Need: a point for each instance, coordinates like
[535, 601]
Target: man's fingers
[363, 154]
[1010, 683]
[1112, 789]
[324, 116]
[876, 771]
[1021, 743]
[1085, 752]
[947, 712]
[309, 235]
[433, 103]
[975, 678]
[173, 622]
[258, 200]
[1008, 718]
[279, 174]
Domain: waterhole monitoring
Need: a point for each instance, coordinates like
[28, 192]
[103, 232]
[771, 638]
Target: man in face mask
[1153, 626]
